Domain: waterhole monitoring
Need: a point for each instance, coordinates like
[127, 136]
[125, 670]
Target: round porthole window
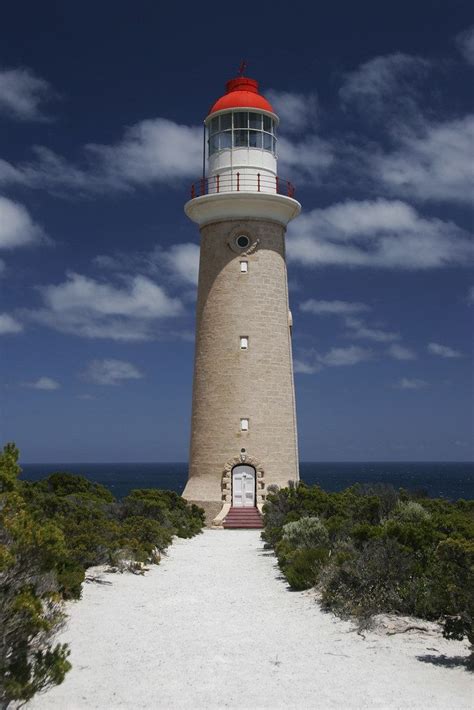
[242, 241]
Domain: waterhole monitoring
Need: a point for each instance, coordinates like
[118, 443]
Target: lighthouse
[243, 427]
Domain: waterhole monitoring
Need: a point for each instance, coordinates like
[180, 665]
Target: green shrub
[31, 609]
[410, 512]
[307, 532]
[303, 566]
[372, 549]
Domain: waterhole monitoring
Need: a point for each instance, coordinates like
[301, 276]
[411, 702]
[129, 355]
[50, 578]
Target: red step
[248, 518]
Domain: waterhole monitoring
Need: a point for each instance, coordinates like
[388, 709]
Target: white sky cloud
[332, 307]
[43, 383]
[17, 228]
[443, 350]
[296, 111]
[111, 372]
[358, 329]
[400, 352]
[305, 160]
[151, 151]
[8, 324]
[306, 367]
[179, 262]
[352, 355]
[384, 83]
[432, 163]
[310, 361]
[411, 384]
[465, 43]
[378, 233]
[183, 262]
[94, 309]
[22, 94]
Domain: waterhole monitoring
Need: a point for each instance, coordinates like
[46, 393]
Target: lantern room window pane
[267, 124]
[255, 121]
[225, 140]
[241, 139]
[215, 124]
[267, 141]
[255, 139]
[213, 144]
[241, 119]
[226, 121]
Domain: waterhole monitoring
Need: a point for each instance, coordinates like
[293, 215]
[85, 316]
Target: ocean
[438, 480]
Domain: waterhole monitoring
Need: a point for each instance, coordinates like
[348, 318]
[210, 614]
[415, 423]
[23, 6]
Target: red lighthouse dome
[241, 92]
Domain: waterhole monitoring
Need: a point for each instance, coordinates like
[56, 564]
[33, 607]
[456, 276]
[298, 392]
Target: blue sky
[101, 107]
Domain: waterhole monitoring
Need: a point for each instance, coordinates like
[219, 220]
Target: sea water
[439, 480]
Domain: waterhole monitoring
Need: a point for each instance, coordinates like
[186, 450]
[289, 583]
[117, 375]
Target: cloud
[111, 372]
[9, 324]
[17, 228]
[358, 329]
[442, 350]
[352, 355]
[22, 93]
[179, 263]
[465, 43]
[306, 160]
[303, 367]
[43, 383]
[385, 85]
[399, 352]
[308, 362]
[380, 234]
[296, 111]
[431, 163]
[332, 307]
[413, 384]
[183, 262]
[94, 309]
[150, 152]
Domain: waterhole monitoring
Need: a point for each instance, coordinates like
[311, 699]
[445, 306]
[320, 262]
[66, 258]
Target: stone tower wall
[230, 383]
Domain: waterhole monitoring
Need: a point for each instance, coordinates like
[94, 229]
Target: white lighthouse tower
[243, 436]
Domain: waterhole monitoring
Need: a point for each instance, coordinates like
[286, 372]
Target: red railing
[242, 182]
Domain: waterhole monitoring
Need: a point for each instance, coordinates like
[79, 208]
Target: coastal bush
[31, 608]
[410, 512]
[372, 549]
[98, 529]
[307, 532]
[50, 532]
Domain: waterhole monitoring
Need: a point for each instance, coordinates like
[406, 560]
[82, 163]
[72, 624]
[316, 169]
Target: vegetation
[51, 531]
[372, 549]
[30, 603]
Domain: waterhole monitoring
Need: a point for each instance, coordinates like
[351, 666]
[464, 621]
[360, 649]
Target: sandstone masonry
[231, 383]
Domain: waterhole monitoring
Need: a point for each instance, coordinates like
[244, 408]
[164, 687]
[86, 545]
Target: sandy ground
[215, 626]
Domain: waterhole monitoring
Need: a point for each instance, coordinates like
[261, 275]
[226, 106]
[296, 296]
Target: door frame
[239, 465]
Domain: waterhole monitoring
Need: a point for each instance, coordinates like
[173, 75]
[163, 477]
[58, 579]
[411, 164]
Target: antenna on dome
[242, 67]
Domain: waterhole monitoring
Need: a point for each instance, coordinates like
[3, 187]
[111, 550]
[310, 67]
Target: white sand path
[215, 626]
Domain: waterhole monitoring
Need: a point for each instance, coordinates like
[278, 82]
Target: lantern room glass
[242, 129]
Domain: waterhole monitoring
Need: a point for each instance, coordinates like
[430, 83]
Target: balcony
[244, 181]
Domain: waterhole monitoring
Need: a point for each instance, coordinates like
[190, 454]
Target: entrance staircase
[248, 518]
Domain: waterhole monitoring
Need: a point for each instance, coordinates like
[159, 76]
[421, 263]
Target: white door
[243, 487]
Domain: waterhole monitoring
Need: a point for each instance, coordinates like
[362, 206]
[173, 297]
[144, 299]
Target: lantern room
[241, 132]
[239, 177]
